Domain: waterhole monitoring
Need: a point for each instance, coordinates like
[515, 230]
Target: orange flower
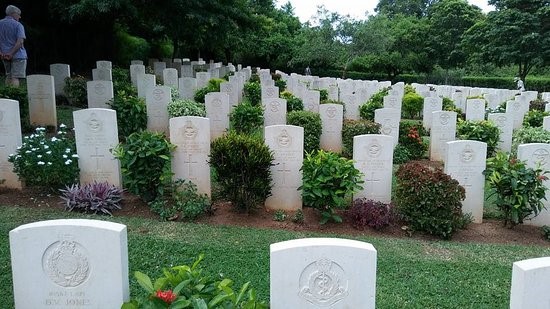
[167, 296]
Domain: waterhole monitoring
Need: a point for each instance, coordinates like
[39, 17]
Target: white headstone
[538, 155]
[70, 263]
[459, 99]
[518, 110]
[475, 109]
[351, 101]
[332, 117]
[99, 92]
[287, 144]
[191, 135]
[96, 133]
[132, 62]
[269, 92]
[170, 78]
[202, 79]
[231, 89]
[104, 64]
[465, 162]
[505, 123]
[158, 68]
[60, 71]
[388, 118]
[274, 112]
[443, 131]
[373, 156]
[135, 70]
[393, 101]
[145, 82]
[530, 281]
[322, 273]
[41, 94]
[546, 123]
[102, 74]
[187, 87]
[10, 139]
[217, 110]
[431, 104]
[157, 100]
[311, 100]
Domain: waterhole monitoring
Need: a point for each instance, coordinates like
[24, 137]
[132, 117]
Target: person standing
[12, 51]
[519, 84]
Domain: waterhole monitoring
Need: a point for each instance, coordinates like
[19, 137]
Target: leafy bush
[519, 190]
[366, 111]
[18, 94]
[145, 163]
[292, 103]
[246, 118]
[529, 135]
[186, 107]
[242, 164]
[537, 105]
[212, 86]
[353, 128]
[370, 213]
[483, 131]
[412, 105]
[298, 217]
[401, 154]
[187, 287]
[94, 197]
[429, 200]
[76, 90]
[180, 199]
[253, 93]
[281, 84]
[44, 161]
[311, 122]
[328, 181]
[534, 118]
[410, 146]
[122, 82]
[279, 215]
[323, 95]
[131, 113]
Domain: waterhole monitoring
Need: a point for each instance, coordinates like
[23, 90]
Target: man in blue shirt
[12, 51]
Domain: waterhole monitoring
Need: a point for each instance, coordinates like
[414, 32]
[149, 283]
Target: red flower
[167, 296]
[542, 177]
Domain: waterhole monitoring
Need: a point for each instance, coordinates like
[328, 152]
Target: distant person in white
[519, 84]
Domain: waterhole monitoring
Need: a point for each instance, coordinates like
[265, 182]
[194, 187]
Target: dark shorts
[15, 68]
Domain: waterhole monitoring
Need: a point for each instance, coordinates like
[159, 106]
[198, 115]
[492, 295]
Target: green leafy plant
[479, 130]
[186, 107]
[246, 118]
[311, 122]
[534, 118]
[180, 199]
[18, 94]
[242, 165]
[47, 161]
[411, 146]
[293, 103]
[412, 105]
[76, 91]
[253, 93]
[538, 105]
[546, 232]
[96, 197]
[281, 84]
[298, 217]
[328, 182]
[519, 190]
[323, 95]
[353, 128]
[212, 86]
[529, 135]
[145, 163]
[131, 113]
[188, 287]
[366, 111]
[279, 215]
[429, 200]
[370, 213]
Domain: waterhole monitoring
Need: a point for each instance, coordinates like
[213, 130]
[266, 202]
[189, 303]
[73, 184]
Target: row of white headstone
[65, 266]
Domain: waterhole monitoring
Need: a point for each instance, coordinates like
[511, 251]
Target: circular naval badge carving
[467, 154]
[189, 131]
[94, 124]
[270, 92]
[323, 283]
[99, 89]
[501, 121]
[444, 119]
[158, 94]
[284, 139]
[331, 112]
[541, 156]
[66, 263]
[274, 106]
[217, 102]
[374, 149]
[386, 127]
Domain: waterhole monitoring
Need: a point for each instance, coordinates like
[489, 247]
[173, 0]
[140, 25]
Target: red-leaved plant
[97, 197]
[365, 212]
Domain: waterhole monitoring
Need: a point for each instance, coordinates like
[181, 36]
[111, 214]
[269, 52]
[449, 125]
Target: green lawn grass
[411, 273]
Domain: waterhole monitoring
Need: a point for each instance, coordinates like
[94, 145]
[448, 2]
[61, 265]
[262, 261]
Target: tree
[392, 8]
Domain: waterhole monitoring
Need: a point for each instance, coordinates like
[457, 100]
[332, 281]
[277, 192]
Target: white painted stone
[459, 99]
[274, 112]
[311, 100]
[546, 123]
[170, 78]
[41, 94]
[465, 162]
[322, 273]
[475, 109]
[104, 64]
[102, 74]
[99, 92]
[373, 156]
[493, 100]
[530, 281]
[217, 110]
[547, 107]
[287, 144]
[231, 89]
[187, 71]
[70, 263]
[191, 135]
[135, 70]
[538, 155]
[388, 118]
[393, 101]
[333, 93]
[60, 71]
[505, 123]
[332, 117]
[518, 110]
[187, 87]
[156, 102]
[96, 133]
[145, 82]
[443, 131]
[158, 68]
[269, 92]
[202, 79]
[351, 102]
[431, 104]
[132, 62]
[10, 140]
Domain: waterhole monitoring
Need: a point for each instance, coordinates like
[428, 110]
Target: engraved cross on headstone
[285, 171]
[189, 161]
[372, 181]
[97, 156]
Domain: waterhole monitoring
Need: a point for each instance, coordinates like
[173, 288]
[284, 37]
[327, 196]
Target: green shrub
[131, 113]
[186, 107]
[186, 286]
[323, 95]
[145, 163]
[18, 94]
[281, 84]
[311, 122]
[529, 135]
[76, 90]
[353, 128]
[428, 199]
[279, 215]
[129, 47]
[253, 93]
[410, 146]
[242, 164]
[366, 111]
[212, 86]
[47, 161]
[328, 182]
[537, 105]
[534, 118]
[292, 103]
[483, 131]
[298, 217]
[180, 199]
[412, 105]
[519, 190]
[122, 82]
[246, 118]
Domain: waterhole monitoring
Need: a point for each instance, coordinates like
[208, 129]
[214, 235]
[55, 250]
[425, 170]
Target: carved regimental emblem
[270, 92]
[274, 106]
[158, 94]
[386, 127]
[284, 139]
[444, 119]
[331, 112]
[467, 154]
[66, 263]
[217, 102]
[501, 121]
[189, 131]
[94, 124]
[323, 283]
[540, 156]
[99, 89]
[374, 149]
